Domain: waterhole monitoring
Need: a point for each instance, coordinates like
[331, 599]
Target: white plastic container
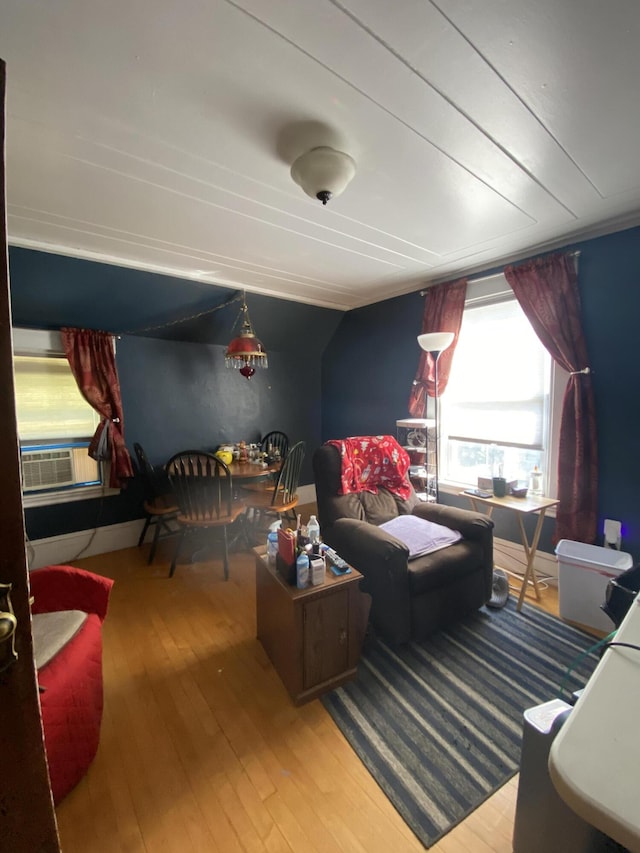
[583, 574]
[313, 530]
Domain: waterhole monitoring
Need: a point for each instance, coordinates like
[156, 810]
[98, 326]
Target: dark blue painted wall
[177, 393]
[370, 364]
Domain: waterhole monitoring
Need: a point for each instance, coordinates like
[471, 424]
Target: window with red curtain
[92, 360]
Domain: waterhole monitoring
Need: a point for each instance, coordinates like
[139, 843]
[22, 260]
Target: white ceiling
[159, 134]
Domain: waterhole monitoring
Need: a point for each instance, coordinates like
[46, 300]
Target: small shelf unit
[418, 437]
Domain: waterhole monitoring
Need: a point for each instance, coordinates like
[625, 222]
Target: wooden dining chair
[275, 441]
[279, 498]
[202, 484]
[159, 502]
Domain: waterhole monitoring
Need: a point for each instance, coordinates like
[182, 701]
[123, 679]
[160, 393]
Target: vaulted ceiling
[160, 135]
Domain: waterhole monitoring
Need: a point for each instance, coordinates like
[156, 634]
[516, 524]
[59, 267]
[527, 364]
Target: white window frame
[40, 342]
[495, 288]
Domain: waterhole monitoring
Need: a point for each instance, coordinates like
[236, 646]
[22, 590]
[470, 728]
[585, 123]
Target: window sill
[67, 496]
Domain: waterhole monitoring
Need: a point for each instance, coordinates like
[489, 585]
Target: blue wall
[177, 393]
[371, 362]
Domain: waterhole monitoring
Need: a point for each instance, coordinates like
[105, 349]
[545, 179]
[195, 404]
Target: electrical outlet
[612, 534]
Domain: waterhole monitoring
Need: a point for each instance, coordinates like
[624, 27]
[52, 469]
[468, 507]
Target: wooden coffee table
[312, 636]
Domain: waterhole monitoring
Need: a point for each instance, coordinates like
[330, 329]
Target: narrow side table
[521, 507]
[312, 636]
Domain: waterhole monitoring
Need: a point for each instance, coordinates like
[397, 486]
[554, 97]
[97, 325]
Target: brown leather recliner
[410, 598]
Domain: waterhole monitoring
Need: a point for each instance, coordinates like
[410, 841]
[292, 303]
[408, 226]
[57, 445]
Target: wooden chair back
[275, 440]
[286, 490]
[202, 486]
[155, 483]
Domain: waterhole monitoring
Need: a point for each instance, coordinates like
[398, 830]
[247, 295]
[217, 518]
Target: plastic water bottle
[302, 571]
[272, 542]
[313, 530]
[272, 547]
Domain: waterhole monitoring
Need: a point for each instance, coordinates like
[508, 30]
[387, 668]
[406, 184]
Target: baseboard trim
[68, 547]
[307, 494]
[56, 550]
[114, 537]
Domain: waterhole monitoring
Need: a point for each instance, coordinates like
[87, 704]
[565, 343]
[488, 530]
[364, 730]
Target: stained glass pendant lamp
[245, 352]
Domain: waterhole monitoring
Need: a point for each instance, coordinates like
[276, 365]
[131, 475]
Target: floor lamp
[435, 343]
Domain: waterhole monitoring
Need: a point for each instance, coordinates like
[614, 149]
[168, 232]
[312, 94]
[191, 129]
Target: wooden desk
[521, 507]
[594, 758]
[312, 636]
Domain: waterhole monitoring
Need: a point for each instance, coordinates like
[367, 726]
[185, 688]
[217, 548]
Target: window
[48, 402]
[497, 413]
[55, 423]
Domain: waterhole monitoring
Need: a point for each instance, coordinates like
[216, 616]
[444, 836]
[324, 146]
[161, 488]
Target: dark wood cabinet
[312, 636]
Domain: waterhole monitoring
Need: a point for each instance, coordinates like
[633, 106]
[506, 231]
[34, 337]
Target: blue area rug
[439, 724]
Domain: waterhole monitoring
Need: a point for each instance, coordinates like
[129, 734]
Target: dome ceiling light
[323, 172]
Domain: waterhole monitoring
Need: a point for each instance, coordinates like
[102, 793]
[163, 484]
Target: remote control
[478, 493]
[336, 560]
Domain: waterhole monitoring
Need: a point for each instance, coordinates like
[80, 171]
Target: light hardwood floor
[201, 748]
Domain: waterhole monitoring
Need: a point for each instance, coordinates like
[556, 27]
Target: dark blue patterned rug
[439, 724]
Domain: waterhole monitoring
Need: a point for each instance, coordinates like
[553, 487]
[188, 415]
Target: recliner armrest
[366, 546]
[472, 525]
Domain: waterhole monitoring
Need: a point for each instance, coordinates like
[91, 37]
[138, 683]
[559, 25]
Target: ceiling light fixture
[323, 172]
[245, 351]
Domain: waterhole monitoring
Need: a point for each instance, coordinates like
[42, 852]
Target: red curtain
[93, 365]
[547, 290]
[443, 309]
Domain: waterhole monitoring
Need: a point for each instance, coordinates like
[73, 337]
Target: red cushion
[72, 700]
[68, 588]
[72, 707]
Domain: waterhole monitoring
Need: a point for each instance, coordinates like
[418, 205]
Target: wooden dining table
[242, 472]
[253, 470]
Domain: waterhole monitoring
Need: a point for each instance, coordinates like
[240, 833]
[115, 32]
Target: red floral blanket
[370, 462]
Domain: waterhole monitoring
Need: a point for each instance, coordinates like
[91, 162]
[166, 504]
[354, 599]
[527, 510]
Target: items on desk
[499, 487]
[313, 530]
[316, 570]
[302, 570]
[535, 481]
[486, 484]
[519, 491]
[225, 455]
[479, 493]
[301, 558]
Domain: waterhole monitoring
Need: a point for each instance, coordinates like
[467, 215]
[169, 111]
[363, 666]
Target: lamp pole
[435, 343]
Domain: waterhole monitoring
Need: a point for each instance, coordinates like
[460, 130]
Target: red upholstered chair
[71, 694]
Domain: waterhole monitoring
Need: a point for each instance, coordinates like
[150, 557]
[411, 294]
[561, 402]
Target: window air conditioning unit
[56, 467]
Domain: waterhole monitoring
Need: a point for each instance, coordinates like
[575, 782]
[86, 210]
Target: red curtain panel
[93, 364]
[443, 309]
[547, 290]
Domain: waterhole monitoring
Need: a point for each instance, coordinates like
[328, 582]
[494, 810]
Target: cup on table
[499, 487]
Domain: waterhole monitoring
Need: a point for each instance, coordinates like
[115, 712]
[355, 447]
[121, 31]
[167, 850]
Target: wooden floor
[201, 749]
